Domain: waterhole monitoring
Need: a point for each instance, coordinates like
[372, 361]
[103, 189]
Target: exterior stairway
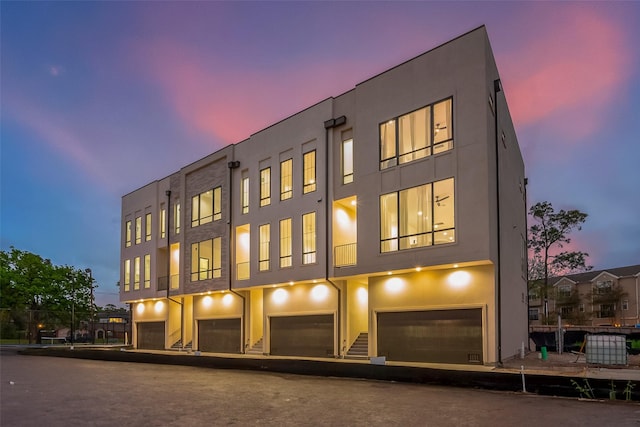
[360, 347]
[178, 346]
[256, 348]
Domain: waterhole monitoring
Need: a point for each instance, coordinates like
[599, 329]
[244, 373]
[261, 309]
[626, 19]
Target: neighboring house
[387, 221]
[595, 298]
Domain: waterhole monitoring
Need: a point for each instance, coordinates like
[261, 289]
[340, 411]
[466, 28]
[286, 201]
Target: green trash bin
[543, 352]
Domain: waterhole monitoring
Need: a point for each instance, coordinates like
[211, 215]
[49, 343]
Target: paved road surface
[48, 391]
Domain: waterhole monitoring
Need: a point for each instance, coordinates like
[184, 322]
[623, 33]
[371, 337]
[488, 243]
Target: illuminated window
[347, 161]
[206, 207]
[285, 243]
[147, 271]
[176, 217]
[136, 273]
[206, 259]
[417, 217]
[127, 232]
[418, 134]
[163, 223]
[286, 179]
[564, 291]
[309, 238]
[309, 166]
[264, 247]
[127, 275]
[147, 227]
[244, 192]
[138, 230]
[265, 187]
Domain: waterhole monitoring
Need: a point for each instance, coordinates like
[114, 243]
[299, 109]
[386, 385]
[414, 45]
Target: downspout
[497, 87]
[526, 255]
[234, 164]
[167, 231]
[330, 124]
[637, 301]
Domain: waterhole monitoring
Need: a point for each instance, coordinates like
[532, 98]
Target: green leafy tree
[40, 295]
[547, 236]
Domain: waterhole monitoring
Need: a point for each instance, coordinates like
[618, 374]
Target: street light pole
[93, 325]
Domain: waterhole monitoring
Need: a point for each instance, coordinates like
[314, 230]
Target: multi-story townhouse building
[393, 215]
[593, 298]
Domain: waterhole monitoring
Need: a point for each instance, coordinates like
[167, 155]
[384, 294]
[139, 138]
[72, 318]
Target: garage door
[438, 336]
[151, 335]
[310, 336]
[219, 335]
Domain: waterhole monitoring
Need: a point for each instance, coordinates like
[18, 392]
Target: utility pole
[93, 325]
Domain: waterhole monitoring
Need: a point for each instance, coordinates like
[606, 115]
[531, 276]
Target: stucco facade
[395, 212]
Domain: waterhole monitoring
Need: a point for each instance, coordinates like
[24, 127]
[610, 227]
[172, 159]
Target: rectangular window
[417, 217]
[147, 227]
[286, 179]
[418, 134]
[533, 314]
[138, 230]
[217, 203]
[581, 308]
[136, 273]
[127, 275]
[127, 233]
[566, 311]
[607, 310]
[264, 247]
[244, 193]
[347, 161]
[285, 243]
[176, 217]
[309, 166]
[309, 238]
[625, 304]
[206, 207]
[163, 223]
[603, 287]
[265, 187]
[564, 291]
[206, 259]
[147, 271]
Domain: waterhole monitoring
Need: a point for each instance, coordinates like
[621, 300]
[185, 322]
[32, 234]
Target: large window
[147, 271]
[309, 166]
[286, 179]
[265, 187]
[347, 161]
[206, 259]
[418, 216]
[147, 227]
[127, 275]
[138, 230]
[127, 233]
[309, 238]
[163, 223]
[136, 273]
[176, 217]
[285, 243]
[244, 193]
[206, 207]
[418, 134]
[264, 247]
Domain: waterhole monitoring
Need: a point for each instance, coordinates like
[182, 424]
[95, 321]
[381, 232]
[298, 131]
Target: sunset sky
[100, 98]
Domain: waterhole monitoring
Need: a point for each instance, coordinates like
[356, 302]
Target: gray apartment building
[387, 221]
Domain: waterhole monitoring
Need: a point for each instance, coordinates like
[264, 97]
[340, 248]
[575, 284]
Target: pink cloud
[570, 74]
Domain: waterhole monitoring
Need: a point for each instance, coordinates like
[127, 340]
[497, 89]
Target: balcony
[243, 271]
[345, 255]
[175, 282]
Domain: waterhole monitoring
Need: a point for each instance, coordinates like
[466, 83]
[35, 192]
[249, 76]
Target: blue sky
[100, 98]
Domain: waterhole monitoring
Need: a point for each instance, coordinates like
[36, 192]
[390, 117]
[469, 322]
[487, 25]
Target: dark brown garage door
[219, 335]
[310, 336]
[438, 336]
[151, 335]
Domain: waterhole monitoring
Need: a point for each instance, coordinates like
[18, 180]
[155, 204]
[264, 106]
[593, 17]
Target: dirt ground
[555, 361]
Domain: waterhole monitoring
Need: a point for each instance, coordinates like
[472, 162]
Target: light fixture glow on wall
[459, 279]
[207, 301]
[227, 299]
[319, 292]
[140, 308]
[363, 295]
[394, 285]
[158, 306]
[280, 296]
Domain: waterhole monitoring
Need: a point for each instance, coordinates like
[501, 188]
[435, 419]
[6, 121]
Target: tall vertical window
[265, 187]
[206, 207]
[347, 161]
[147, 271]
[217, 203]
[127, 275]
[418, 216]
[136, 273]
[176, 217]
[163, 223]
[286, 179]
[244, 193]
[309, 238]
[285, 243]
[309, 166]
[127, 234]
[206, 259]
[138, 230]
[264, 233]
[418, 134]
[147, 227]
